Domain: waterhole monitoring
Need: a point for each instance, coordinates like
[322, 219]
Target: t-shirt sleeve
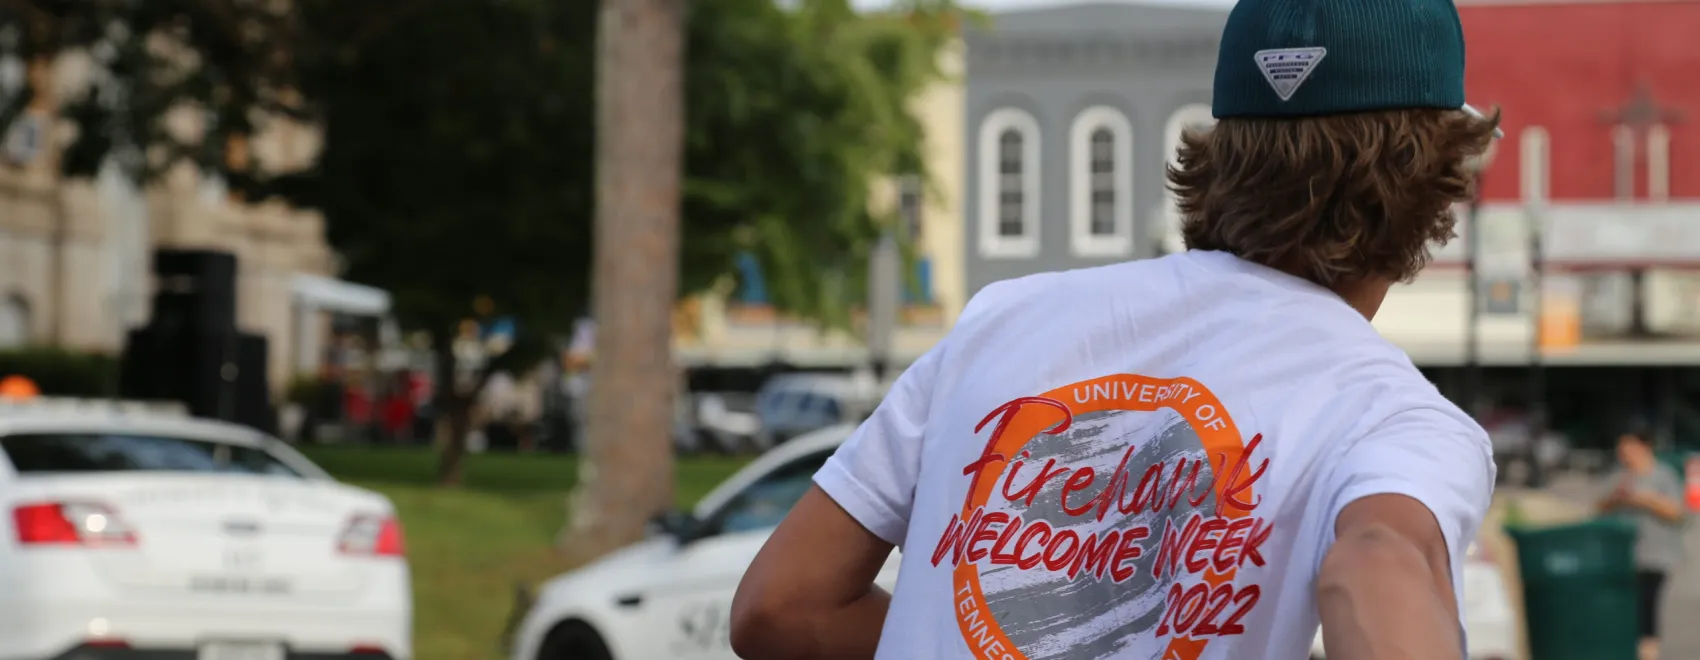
[1437, 457]
[873, 475]
[1670, 485]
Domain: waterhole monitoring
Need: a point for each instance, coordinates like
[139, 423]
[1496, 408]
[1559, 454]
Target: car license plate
[241, 651]
[238, 585]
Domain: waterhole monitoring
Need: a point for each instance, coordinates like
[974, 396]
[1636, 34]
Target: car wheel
[573, 640]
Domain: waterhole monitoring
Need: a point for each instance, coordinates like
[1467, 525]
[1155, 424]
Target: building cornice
[1075, 48]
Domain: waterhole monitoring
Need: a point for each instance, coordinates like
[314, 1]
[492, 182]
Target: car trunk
[220, 535]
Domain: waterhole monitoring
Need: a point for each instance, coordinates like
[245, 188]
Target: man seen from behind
[1197, 456]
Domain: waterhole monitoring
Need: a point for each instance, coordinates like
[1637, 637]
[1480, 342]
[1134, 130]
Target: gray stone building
[1071, 115]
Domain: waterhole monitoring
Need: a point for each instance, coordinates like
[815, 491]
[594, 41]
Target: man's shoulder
[1017, 291]
[1383, 390]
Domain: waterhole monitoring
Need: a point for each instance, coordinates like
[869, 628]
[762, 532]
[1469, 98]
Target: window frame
[1120, 241]
[993, 244]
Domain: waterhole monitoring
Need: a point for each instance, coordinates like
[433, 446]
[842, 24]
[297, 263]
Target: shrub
[59, 372]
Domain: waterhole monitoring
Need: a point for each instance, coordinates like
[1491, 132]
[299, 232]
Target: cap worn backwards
[1303, 58]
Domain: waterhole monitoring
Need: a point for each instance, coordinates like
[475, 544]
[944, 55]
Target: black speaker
[196, 290]
[215, 374]
[253, 386]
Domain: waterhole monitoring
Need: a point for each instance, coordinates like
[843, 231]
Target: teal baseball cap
[1307, 58]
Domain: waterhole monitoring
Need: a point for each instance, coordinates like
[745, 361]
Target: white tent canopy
[333, 295]
[316, 293]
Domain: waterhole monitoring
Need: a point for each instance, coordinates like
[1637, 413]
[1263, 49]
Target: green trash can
[1579, 590]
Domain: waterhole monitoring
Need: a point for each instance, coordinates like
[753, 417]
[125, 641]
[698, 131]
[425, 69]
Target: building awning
[333, 295]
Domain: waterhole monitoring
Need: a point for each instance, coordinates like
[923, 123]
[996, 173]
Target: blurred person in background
[579, 355]
[1649, 493]
[357, 407]
[497, 408]
[398, 408]
[420, 390]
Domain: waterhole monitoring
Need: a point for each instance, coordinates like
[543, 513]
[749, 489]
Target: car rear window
[109, 452]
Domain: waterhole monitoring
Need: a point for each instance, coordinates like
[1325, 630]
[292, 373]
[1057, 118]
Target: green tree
[792, 115]
[459, 152]
[457, 167]
[227, 58]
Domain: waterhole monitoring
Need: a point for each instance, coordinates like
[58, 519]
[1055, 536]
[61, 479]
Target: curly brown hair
[1332, 199]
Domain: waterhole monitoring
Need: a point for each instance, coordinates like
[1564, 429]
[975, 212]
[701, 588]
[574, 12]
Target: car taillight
[378, 536]
[70, 523]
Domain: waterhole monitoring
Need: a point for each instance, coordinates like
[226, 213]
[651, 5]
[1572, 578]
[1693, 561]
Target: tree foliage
[792, 115]
[458, 133]
[138, 60]
[457, 161]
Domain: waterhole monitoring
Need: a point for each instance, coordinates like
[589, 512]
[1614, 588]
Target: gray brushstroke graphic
[1047, 615]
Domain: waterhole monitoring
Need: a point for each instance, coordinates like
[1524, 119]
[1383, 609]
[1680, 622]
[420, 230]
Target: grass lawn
[468, 547]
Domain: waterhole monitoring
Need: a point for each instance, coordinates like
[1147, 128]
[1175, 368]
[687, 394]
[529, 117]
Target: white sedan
[670, 596]
[1490, 621]
[132, 536]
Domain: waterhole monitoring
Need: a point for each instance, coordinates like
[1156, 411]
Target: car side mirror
[682, 526]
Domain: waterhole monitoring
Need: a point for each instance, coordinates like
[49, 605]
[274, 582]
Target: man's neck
[1365, 296]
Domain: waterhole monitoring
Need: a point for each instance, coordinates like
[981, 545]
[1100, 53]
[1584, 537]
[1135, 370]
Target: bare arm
[1658, 504]
[1385, 588]
[1618, 496]
[810, 593]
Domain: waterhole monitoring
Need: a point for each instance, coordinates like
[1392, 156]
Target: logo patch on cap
[1287, 68]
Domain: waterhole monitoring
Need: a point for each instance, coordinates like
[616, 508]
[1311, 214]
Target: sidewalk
[1570, 499]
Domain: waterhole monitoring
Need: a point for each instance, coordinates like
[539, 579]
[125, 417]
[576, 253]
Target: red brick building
[1608, 91]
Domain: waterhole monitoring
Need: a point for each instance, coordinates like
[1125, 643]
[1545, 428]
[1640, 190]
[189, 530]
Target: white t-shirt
[1157, 451]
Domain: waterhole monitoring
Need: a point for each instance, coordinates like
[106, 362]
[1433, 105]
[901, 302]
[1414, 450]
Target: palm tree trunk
[627, 468]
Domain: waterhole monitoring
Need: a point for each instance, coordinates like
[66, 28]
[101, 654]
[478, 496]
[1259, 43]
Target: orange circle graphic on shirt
[1203, 412]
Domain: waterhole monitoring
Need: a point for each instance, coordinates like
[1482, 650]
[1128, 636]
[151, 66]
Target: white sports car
[142, 536]
[670, 596]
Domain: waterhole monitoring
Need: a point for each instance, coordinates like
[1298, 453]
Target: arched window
[1101, 183]
[1189, 117]
[1535, 168]
[1009, 184]
[14, 321]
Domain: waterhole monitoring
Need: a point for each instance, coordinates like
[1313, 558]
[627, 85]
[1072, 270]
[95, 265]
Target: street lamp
[885, 289]
[1477, 166]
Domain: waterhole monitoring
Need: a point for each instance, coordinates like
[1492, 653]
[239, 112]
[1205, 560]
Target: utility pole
[1537, 366]
[885, 283]
[1473, 280]
[1473, 316]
